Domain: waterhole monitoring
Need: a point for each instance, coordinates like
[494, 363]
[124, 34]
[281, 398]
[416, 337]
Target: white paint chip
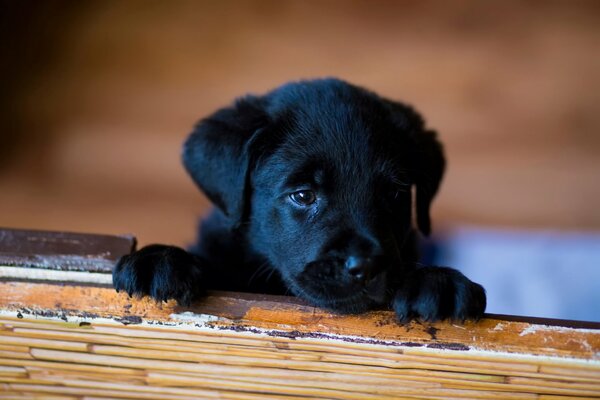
[190, 317]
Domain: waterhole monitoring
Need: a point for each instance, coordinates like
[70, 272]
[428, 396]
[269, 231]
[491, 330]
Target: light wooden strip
[591, 373]
[590, 387]
[51, 365]
[44, 374]
[558, 397]
[15, 372]
[23, 380]
[38, 274]
[15, 354]
[6, 395]
[559, 360]
[20, 349]
[48, 344]
[94, 390]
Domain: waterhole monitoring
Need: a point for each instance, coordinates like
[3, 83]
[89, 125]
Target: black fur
[312, 186]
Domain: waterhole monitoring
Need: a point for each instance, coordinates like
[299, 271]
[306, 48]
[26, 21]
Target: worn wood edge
[289, 318]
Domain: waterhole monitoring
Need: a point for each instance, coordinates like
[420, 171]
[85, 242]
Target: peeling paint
[535, 328]
[586, 345]
[190, 317]
[499, 327]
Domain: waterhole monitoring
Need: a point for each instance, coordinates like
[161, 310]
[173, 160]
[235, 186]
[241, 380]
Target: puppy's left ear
[427, 164]
[218, 157]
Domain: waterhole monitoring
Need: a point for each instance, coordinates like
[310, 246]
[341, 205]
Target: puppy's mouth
[327, 284]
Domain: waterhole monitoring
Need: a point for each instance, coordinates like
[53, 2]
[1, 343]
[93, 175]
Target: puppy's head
[319, 176]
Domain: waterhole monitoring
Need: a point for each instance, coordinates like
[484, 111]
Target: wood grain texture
[75, 341]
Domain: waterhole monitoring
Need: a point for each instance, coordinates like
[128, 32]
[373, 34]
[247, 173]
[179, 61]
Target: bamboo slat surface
[74, 342]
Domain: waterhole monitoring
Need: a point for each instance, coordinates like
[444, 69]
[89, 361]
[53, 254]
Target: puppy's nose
[359, 267]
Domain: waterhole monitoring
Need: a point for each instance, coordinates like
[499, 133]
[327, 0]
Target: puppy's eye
[303, 197]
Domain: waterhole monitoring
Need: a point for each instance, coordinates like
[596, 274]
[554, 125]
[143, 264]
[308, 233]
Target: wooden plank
[62, 251]
[69, 340]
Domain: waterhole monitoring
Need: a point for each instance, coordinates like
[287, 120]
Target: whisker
[262, 269]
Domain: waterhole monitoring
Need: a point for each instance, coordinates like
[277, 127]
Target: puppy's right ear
[216, 154]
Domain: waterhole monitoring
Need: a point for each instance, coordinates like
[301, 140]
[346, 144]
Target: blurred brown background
[97, 97]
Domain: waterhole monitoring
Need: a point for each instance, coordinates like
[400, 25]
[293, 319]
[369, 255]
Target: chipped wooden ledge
[83, 341]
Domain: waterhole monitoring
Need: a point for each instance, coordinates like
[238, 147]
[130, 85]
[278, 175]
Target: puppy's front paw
[437, 293]
[162, 272]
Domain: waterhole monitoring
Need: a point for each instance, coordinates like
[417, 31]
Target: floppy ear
[427, 164]
[430, 165]
[217, 154]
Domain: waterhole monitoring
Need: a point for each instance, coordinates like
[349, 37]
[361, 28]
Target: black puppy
[312, 184]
